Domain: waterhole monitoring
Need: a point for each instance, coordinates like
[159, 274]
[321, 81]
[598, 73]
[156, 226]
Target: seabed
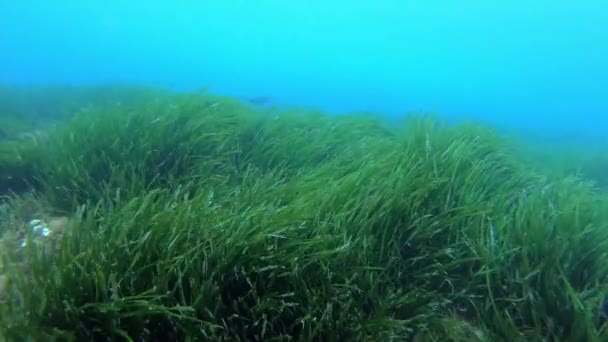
[138, 214]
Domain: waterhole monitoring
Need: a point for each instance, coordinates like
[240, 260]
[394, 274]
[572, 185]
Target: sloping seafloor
[137, 214]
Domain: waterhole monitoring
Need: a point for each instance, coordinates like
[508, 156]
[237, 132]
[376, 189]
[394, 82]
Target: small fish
[260, 100]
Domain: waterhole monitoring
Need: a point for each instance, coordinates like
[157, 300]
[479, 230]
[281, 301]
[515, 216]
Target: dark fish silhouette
[259, 100]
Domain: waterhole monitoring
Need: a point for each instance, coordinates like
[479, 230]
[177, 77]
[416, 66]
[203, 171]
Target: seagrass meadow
[195, 217]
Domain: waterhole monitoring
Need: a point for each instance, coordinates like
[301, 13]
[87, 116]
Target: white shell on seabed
[35, 222]
[39, 227]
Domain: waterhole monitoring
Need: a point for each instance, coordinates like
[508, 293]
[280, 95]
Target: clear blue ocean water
[540, 67]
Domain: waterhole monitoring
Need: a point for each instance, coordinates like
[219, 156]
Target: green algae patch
[198, 217]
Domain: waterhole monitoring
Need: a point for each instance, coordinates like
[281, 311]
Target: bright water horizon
[537, 66]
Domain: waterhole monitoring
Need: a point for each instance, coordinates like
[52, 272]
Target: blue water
[541, 66]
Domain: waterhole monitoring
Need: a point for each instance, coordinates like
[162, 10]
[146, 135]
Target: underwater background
[539, 64]
[304, 170]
